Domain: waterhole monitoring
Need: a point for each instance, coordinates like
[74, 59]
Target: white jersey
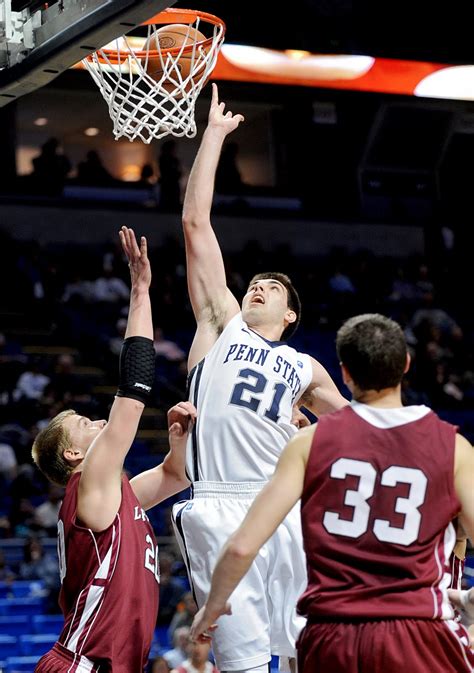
[244, 391]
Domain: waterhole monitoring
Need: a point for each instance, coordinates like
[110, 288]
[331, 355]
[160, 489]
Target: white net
[145, 107]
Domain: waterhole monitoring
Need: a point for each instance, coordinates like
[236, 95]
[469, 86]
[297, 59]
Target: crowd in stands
[158, 184]
[63, 325]
[52, 171]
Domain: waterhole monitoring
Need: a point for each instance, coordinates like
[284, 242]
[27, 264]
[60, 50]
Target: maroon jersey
[110, 584]
[377, 506]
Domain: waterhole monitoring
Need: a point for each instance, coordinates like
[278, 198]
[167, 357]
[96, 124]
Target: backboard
[39, 40]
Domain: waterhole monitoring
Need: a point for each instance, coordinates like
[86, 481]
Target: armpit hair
[215, 317]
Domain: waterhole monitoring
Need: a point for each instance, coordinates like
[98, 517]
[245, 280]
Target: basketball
[173, 36]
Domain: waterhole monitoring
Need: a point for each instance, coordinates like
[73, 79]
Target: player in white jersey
[244, 382]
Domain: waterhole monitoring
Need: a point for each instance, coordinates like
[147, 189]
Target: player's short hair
[373, 349]
[48, 449]
[294, 302]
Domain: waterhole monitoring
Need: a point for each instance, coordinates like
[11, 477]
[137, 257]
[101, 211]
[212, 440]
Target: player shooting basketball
[108, 554]
[244, 381]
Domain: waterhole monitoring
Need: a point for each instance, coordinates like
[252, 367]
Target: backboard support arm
[36, 48]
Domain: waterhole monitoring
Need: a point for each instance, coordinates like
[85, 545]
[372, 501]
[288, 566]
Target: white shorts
[264, 619]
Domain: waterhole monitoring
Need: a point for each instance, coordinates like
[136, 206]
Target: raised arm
[100, 488]
[163, 481]
[213, 303]
[265, 515]
[322, 395]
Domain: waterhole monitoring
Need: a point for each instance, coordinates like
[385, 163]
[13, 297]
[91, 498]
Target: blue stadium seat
[161, 637]
[15, 625]
[20, 664]
[8, 646]
[13, 550]
[48, 624]
[21, 606]
[5, 589]
[37, 644]
[27, 588]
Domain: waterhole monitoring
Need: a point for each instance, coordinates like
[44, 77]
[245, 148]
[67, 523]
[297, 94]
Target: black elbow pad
[136, 368]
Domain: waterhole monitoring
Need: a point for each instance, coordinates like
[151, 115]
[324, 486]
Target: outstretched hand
[181, 418]
[298, 418]
[138, 262]
[203, 623]
[226, 121]
[463, 601]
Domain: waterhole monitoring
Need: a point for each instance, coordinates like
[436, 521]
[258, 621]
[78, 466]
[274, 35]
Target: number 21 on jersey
[357, 499]
[249, 393]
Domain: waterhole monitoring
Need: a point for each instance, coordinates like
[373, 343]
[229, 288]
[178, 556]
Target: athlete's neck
[388, 398]
[268, 332]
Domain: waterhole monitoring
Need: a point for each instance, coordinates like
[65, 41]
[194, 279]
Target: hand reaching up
[218, 118]
[138, 262]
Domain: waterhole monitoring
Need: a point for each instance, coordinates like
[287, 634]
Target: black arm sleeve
[136, 369]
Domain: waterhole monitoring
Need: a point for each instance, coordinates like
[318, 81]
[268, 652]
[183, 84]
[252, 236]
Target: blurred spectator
[179, 653]
[424, 284]
[110, 288]
[50, 168]
[342, 297]
[184, 615]
[22, 488]
[30, 265]
[40, 565]
[166, 348]
[339, 282]
[8, 461]
[116, 342]
[147, 178]
[228, 178]
[22, 517]
[171, 590]
[31, 383]
[18, 437]
[113, 258]
[66, 386]
[12, 362]
[78, 290]
[5, 528]
[46, 514]
[159, 665]
[92, 171]
[170, 176]
[403, 290]
[198, 661]
[10, 351]
[6, 573]
[437, 317]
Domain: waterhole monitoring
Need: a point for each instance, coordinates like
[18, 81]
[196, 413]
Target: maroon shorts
[61, 660]
[386, 646]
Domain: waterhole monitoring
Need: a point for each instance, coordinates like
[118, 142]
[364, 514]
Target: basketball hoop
[145, 106]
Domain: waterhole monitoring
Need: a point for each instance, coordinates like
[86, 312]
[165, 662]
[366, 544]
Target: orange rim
[167, 16]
